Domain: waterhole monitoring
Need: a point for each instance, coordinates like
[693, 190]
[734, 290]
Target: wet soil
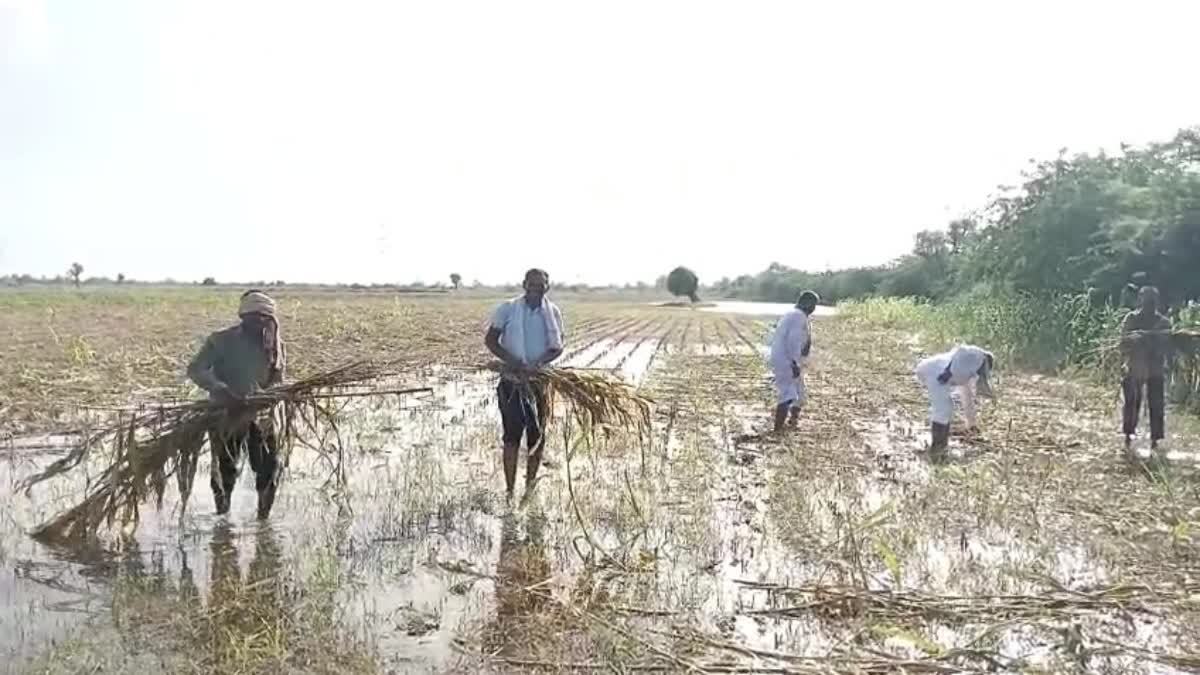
[712, 544]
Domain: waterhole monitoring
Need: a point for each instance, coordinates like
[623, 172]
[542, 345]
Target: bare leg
[511, 453]
[532, 464]
[535, 435]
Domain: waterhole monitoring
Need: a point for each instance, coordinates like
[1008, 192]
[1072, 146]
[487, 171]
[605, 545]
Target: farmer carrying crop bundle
[1145, 343]
[966, 369]
[790, 347]
[234, 364]
[526, 333]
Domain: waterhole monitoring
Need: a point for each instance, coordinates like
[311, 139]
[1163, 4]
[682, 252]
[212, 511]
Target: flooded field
[708, 547]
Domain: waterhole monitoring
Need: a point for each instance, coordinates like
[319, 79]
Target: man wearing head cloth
[966, 369]
[233, 364]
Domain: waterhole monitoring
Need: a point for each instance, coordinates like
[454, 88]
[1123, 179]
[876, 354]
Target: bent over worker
[1145, 343]
[965, 369]
[233, 364]
[526, 333]
[790, 347]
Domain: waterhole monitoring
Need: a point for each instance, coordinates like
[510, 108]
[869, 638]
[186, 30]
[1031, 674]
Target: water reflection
[245, 611]
[522, 575]
[239, 621]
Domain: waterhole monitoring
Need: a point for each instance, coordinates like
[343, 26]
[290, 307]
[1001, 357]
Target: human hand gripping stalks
[150, 445]
[594, 399]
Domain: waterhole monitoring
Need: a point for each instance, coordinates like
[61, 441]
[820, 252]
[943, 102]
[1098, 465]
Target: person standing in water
[790, 347]
[1145, 344]
[966, 369]
[233, 364]
[526, 333]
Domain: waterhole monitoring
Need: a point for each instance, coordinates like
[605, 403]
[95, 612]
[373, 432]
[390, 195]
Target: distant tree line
[1095, 224]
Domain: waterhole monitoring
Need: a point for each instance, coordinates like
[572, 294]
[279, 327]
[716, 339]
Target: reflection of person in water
[242, 609]
[224, 575]
[522, 566]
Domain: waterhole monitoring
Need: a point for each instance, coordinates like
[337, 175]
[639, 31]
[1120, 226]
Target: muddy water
[433, 572]
[411, 498]
[629, 358]
[408, 513]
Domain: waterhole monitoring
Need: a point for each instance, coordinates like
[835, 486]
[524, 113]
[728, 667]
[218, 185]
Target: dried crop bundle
[593, 399]
[151, 445]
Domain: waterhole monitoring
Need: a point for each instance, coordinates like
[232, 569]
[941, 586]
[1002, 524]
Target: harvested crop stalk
[594, 399]
[153, 444]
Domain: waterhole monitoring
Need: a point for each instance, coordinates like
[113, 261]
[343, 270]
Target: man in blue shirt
[526, 333]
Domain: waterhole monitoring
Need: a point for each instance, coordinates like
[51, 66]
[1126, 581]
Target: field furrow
[710, 545]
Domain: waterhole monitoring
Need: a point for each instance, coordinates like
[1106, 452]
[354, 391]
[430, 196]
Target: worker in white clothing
[790, 347]
[966, 369]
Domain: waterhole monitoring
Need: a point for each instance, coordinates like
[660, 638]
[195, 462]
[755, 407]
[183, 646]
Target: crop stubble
[836, 548]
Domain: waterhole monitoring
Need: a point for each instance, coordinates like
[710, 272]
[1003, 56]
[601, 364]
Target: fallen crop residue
[709, 546]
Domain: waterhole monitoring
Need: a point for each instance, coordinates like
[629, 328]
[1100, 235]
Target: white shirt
[529, 340]
[964, 363]
[791, 334]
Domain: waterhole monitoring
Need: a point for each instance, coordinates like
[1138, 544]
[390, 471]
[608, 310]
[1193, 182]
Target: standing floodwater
[708, 543]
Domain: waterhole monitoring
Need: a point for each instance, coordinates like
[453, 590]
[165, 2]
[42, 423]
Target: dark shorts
[524, 412]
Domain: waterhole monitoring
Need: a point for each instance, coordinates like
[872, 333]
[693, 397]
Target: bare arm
[200, 369]
[970, 410]
[549, 357]
[276, 375]
[492, 340]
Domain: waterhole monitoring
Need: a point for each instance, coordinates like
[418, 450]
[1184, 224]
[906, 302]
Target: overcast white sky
[605, 141]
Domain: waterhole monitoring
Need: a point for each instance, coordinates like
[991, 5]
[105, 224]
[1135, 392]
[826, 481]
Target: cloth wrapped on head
[257, 302]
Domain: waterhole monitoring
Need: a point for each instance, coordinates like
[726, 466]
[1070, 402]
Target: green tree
[121, 278]
[960, 233]
[1095, 221]
[683, 282]
[931, 244]
[456, 280]
[75, 272]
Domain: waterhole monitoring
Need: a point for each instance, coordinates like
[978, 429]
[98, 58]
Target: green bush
[1046, 332]
[1184, 387]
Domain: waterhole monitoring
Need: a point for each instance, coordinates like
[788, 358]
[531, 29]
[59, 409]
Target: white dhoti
[941, 396]
[789, 386]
